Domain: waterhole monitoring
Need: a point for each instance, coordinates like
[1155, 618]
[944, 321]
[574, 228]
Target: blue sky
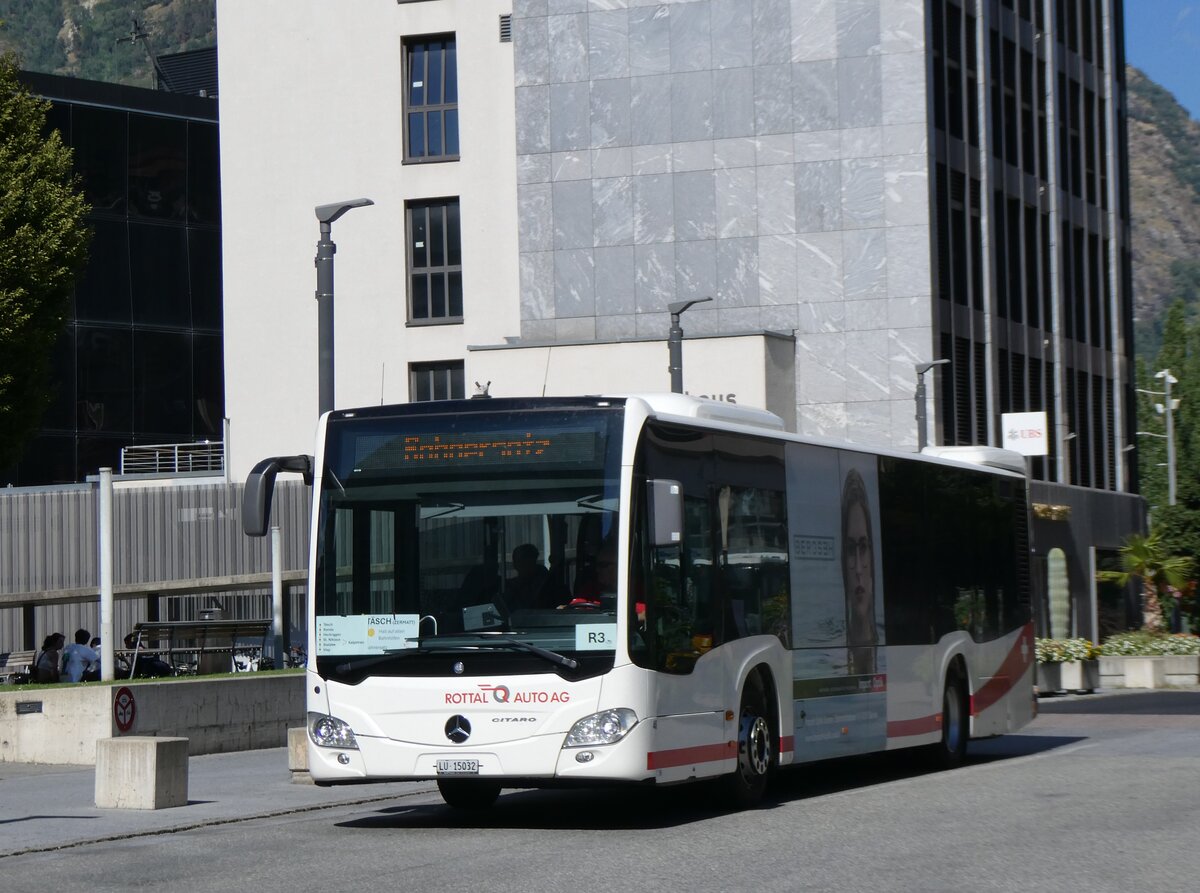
[1162, 38]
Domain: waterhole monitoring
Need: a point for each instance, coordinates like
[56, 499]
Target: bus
[537, 592]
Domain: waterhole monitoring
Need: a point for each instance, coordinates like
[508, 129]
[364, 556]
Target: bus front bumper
[538, 757]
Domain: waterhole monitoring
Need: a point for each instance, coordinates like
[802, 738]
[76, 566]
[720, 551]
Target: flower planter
[1112, 672]
[1049, 678]
[1145, 672]
[1071, 675]
[1081, 675]
[1182, 669]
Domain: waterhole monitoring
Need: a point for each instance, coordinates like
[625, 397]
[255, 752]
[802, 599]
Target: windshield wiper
[447, 508]
[596, 501]
[516, 644]
[365, 662]
[484, 644]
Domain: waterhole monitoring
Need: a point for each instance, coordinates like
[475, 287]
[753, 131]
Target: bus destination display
[501, 448]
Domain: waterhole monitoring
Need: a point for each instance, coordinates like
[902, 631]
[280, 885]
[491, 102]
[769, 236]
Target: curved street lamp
[922, 422]
[326, 214]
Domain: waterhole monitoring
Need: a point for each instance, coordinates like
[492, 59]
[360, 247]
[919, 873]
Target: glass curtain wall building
[1031, 220]
[140, 361]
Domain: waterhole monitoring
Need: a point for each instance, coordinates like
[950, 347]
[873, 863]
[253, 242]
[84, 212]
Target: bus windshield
[479, 540]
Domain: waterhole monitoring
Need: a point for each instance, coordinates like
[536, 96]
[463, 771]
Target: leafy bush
[1057, 651]
[1143, 644]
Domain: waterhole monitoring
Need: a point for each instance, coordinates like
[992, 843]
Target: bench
[15, 666]
[214, 641]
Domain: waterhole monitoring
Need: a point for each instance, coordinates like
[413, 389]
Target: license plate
[458, 767]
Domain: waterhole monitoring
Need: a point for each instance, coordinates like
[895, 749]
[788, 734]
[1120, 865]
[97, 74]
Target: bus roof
[699, 409]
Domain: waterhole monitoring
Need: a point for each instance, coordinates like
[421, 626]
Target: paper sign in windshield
[595, 637]
[366, 633]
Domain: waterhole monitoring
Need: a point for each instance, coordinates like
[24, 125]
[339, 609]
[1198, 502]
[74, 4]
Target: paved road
[1099, 794]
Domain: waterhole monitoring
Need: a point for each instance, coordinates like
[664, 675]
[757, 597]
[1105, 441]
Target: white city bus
[539, 592]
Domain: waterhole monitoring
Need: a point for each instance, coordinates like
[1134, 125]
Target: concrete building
[861, 186]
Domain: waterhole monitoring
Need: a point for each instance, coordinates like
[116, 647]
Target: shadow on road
[646, 808]
[1146, 703]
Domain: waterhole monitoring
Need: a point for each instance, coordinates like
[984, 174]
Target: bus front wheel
[468, 794]
[745, 786]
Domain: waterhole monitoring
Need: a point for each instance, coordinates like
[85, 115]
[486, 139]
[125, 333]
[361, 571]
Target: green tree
[1179, 524]
[43, 246]
[1147, 559]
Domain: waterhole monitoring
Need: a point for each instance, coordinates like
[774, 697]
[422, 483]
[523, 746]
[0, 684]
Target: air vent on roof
[506, 28]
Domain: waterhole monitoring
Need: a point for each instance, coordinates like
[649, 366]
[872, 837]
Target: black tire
[951, 751]
[461, 794]
[744, 787]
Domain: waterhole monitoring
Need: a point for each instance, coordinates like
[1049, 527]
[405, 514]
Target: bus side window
[678, 593]
[754, 562]
[698, 569]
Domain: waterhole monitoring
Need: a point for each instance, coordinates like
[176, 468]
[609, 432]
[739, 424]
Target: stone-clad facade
[770, 154]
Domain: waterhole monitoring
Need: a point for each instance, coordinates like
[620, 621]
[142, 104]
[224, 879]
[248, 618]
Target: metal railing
[174, 458]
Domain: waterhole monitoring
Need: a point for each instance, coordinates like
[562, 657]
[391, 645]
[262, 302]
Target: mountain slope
[1164, 190]
[104, 40]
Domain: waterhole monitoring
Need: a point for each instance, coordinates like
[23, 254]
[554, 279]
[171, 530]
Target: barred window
[435, 293]
[436, 381]
[431, 99]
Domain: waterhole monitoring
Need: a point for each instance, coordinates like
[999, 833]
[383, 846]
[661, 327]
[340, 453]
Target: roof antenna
[138, 33]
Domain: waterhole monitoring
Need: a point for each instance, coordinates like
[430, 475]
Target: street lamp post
[1166, 408]
[675, 342]
[326, 214]
[922, 433]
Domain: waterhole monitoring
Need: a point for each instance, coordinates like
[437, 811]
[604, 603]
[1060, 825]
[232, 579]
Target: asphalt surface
[47, 808]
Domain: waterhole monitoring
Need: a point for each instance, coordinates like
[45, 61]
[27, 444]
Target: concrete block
[141, 773]
[298, 755]
[1145, 672]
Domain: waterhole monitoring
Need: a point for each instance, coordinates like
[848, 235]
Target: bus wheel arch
[757, 740]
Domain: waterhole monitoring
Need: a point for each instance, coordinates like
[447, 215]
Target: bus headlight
[605, 727]
[329, 731]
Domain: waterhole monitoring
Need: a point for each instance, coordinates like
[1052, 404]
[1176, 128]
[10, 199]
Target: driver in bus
[602, 585]
[532, 586]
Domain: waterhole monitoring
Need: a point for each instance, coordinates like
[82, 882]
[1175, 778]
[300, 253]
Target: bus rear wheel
[951, 751]
[744, 787]
[462, 794]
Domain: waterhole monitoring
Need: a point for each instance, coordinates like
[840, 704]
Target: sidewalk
[49, 807]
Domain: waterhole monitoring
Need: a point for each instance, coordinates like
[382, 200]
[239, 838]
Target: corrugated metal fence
[167, 542]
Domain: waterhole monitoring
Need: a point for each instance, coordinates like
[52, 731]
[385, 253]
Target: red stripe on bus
[902, 728]
[1006, 677]
[992, 691]
[684, 756]
[787, 744]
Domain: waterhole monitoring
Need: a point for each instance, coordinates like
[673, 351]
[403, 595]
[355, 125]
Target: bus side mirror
[260, 487]
[666, 512]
